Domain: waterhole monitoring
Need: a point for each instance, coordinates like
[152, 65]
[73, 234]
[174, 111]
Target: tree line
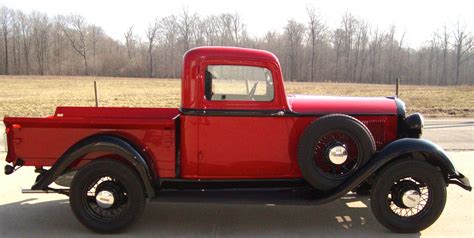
[355, 51]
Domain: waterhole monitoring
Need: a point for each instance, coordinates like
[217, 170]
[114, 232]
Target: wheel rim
[337, 154]
[409, 197]
[105, 199]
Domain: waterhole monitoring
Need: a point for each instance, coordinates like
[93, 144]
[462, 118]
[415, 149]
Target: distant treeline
[37, 44]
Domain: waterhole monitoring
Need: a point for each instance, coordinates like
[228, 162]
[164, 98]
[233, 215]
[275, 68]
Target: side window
[238, 83]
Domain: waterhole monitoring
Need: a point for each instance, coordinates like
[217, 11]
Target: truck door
[241, 133]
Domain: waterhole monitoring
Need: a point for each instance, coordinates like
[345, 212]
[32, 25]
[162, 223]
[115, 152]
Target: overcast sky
[419, 18]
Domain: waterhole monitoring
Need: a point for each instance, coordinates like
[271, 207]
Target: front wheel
[408, 196]
[106, 196]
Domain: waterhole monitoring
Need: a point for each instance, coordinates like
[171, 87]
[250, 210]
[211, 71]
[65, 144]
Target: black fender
[436, 156]
[112, 144]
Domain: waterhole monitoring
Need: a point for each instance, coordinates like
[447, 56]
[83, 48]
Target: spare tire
[332, 148]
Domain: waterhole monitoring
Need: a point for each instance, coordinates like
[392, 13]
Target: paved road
[49, 215]
[451, 134]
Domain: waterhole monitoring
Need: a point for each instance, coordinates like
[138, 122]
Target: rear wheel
[408, 196]
[106, 196]
[332, 148]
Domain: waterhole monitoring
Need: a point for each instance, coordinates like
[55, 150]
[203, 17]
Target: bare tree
[76, 32]
[375, 52]
[25, 32]
[360, 51]
[294, 32]
[185, 26]
[169, 25]
[348, 25]
[337, 39]
[152, 35]
[40, 29]
[315, 29]
[237, 28]
[96, 33]
[224, 29]
[445, 47]
[5, 20]
[463, 43]
[59, 42]
[16, 44]
[211, 29]
[130, 44]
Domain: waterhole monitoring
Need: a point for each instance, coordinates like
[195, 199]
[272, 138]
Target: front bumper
[460, 180]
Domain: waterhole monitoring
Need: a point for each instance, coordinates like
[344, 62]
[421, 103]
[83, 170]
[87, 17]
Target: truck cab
[230, 97]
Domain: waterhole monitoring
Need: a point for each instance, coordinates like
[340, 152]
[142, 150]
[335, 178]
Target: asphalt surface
[49, 215]
[451, 134]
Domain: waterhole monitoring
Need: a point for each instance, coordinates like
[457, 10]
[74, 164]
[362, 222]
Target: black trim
[233, 184]
[177, 147]
[229, 112]
[401, 114]
[107, 143]
[461, 181]
[266, 113]
[260, 196]
[319, 114]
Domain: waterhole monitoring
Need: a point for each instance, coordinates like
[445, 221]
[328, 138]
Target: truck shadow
[348, 216]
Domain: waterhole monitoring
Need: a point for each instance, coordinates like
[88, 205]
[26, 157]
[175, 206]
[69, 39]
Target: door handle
[279, 113]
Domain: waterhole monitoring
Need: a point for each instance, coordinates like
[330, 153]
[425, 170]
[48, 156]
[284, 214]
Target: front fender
[410, 145]
[434, 155]
[98, 143]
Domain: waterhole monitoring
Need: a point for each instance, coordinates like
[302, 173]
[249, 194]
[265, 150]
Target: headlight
[414, 125]
[414, 121]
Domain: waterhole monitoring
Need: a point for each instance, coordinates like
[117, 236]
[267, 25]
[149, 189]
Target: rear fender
[99, 143]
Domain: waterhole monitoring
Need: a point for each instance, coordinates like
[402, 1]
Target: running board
[48, 190]
[300, 196]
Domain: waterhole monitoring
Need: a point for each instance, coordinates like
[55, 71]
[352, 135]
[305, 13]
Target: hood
[306, 104]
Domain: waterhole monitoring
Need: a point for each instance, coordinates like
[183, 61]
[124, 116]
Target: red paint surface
[41, 141]
[347, 105]
[211, 147]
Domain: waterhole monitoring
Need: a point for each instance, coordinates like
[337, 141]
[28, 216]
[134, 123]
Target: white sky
[419, 18]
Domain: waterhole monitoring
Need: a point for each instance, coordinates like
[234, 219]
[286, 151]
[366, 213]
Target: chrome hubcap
[338, 154]
[105, 199]
[411, 198]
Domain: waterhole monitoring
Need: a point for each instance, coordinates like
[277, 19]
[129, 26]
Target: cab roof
[229, 52]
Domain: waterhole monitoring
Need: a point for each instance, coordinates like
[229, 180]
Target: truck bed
[41, 141]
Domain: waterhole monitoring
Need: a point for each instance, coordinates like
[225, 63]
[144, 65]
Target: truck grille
[377, 128]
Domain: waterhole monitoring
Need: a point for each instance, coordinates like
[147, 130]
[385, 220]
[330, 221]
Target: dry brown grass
[39, 96]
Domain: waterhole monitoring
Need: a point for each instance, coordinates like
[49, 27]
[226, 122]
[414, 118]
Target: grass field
[39, 96]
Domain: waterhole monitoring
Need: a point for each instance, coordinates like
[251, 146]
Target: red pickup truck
[236, 130]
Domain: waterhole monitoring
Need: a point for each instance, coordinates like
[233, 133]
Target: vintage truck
[236, 130]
